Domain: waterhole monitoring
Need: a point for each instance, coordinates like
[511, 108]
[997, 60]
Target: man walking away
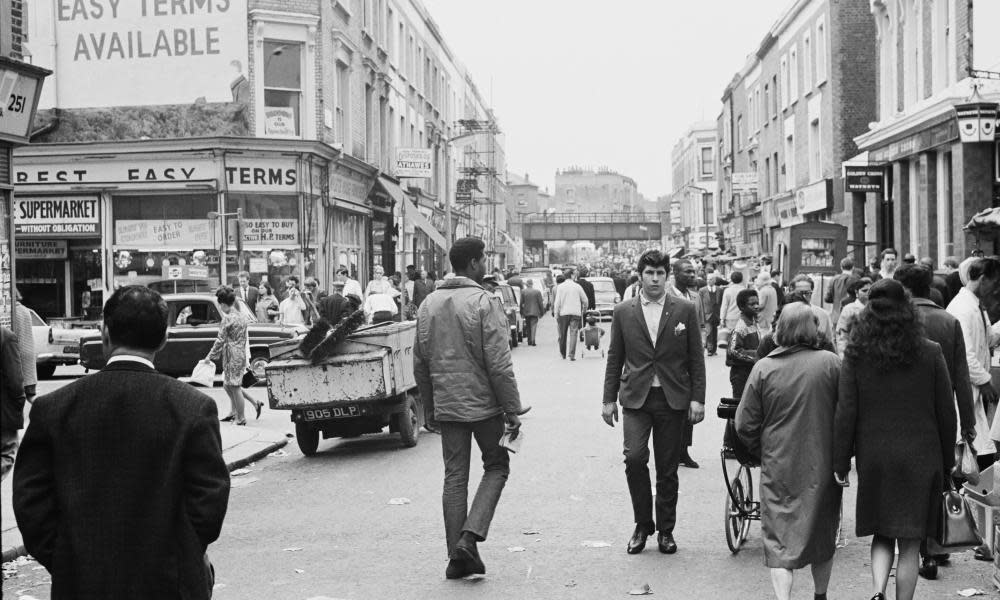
[729, 311]
[588, 288]
[532, 308]
[120, 484]
[12, 399]
[711, 303]
[656, 369]
[838, 288]
[26, 346]
[568, 309]
[466, 380]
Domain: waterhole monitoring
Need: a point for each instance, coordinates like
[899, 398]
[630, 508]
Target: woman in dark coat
[791, 391]
[896, 415]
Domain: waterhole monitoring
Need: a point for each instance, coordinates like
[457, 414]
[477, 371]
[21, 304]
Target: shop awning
[411, 211]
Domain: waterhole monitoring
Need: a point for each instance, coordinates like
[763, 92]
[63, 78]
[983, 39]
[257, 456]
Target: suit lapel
[668, 304]
[637, 307]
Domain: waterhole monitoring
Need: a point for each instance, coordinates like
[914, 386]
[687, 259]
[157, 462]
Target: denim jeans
[456, 446]
[569, 327]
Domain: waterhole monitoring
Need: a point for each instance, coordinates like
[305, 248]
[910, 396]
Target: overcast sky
[590, 83]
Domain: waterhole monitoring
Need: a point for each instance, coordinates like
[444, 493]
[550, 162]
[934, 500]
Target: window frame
[821, 70]
[289, 28]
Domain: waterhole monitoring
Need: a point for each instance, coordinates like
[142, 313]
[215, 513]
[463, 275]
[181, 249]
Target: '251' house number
[14, 104]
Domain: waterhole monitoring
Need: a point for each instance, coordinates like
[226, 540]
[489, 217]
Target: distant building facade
[694, 196]
[602, 190]
[789, 120]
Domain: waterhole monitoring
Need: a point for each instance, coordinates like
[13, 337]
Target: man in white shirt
[730, 312]
[568, 308]
[980, 337]
[351, 286]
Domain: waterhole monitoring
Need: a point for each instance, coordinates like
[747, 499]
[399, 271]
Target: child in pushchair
[591, 334]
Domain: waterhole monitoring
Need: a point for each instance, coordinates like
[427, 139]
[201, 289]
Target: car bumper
[57, 358]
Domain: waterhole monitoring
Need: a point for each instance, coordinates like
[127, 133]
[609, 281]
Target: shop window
[160, 221]
[169, 271]
[282, 88]
[818, 252]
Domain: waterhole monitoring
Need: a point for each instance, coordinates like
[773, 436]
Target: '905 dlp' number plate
[334, 412]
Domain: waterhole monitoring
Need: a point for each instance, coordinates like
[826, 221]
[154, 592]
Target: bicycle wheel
[737, 523]
[749, 507]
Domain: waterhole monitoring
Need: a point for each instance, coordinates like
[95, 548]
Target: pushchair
[590, 336]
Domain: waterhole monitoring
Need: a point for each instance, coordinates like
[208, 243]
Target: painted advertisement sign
[414, 162]
[62, 217]
[266, 232]
[40, 249]
[159, 233]
[144, 52]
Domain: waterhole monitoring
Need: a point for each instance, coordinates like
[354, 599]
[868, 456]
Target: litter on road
[398, 501]
[595, 544]
[240, 472]
[641, 591]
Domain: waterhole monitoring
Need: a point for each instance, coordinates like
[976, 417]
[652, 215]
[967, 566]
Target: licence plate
[71, 349]
[333, 412]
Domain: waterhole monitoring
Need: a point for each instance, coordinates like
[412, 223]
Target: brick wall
[17, 28]
[854, 83]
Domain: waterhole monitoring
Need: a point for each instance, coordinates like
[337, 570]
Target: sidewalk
[240, 447]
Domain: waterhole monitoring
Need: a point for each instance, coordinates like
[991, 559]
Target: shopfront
[349, 220]
[92, 219]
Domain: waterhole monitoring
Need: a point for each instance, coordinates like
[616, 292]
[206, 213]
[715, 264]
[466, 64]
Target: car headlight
[617, 299]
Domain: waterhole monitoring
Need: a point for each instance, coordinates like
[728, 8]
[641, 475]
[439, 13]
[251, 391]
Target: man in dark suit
[120, 484]
[711, 303]
[12, 398]
[532, 308]
[942, 327]
[656, 369]
[246, 292]
[334, 306]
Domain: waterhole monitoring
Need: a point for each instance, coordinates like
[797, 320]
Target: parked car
[191, 334]
[57, 342]
[605, 295]
[513, 310]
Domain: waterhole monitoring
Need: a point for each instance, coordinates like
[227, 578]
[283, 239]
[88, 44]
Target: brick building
[932, 182]
[694, 196]
[788, 122]
[287, 111]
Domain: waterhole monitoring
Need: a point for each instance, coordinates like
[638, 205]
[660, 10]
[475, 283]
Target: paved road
[323, 526]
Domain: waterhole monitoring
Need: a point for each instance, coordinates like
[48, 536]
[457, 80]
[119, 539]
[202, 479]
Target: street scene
[343, 299]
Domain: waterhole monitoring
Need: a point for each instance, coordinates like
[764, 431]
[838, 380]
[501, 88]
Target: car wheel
[45, 370]
[307, 438]
[258, 360]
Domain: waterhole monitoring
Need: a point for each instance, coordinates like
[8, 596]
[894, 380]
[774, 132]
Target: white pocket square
[681, 328]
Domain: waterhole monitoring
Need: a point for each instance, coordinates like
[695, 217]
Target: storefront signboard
[117, 171]
[414, 162]
[18, 97]
[864, 179]
[939, 134]
[40, 249]
[347, 185]
[262, 174]
[57, 217]
[142, 53]
[814, 197]
[745, 182]
[158, 233]
[266, 232]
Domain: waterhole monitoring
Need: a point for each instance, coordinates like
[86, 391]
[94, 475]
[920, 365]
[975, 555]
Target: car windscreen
[193, 312]
[603, 286]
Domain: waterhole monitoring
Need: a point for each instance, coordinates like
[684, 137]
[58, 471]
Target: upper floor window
[282, 88]
[793, 75]
[807, 62]
[707, 162]
[784, 81]
[821, 50]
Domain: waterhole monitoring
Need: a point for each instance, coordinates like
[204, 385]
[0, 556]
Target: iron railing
[609, 217]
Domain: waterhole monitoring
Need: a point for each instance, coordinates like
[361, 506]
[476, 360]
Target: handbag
[956, 526]
[966, 465]
[249, 379]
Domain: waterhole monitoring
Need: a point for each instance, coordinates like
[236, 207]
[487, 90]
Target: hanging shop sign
[266, 232]
[20, 88]
[40, 249]
[349, 185]
[464, 189]
[864, 179]
[153, 52]
[156, 233]
[414, 162]
[64, 217]
[977, 121]
[262, 174]
[812, 198]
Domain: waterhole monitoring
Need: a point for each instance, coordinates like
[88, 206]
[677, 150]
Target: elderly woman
[231, 346]
[857, 294]
[792, 391]
[896, 416]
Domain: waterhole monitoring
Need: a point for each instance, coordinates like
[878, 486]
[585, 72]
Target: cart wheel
[409, 421]
[737, 523]
[748, 503]
[307, 438]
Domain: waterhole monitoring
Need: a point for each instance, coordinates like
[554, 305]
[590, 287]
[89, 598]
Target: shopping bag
[966, 464]
[203, 374]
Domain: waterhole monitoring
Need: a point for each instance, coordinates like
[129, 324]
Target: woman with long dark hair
[896, 416]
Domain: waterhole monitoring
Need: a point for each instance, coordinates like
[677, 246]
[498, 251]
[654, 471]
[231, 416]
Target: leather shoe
[469, 554]
[983, 553]
[228, 418]
[457, 569]
[637, 543]
[666, 543]
[689, 462]
[929, 568]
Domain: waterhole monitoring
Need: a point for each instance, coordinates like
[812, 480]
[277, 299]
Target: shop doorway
[61, 279]
[42, 284]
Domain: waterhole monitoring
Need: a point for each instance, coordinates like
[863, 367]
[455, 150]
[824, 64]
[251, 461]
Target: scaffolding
[479, 181]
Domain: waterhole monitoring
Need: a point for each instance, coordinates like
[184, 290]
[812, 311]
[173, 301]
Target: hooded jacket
[461, 356]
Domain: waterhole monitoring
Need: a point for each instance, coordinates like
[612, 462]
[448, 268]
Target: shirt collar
[646, 301]
[131, 358]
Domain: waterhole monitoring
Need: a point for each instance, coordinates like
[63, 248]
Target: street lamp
[704, 207]
[225, 241]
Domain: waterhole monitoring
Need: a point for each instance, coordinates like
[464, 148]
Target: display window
[167, 271]
[818, 252]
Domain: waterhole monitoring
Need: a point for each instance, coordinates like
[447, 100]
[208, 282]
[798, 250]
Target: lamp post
[225, 241]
